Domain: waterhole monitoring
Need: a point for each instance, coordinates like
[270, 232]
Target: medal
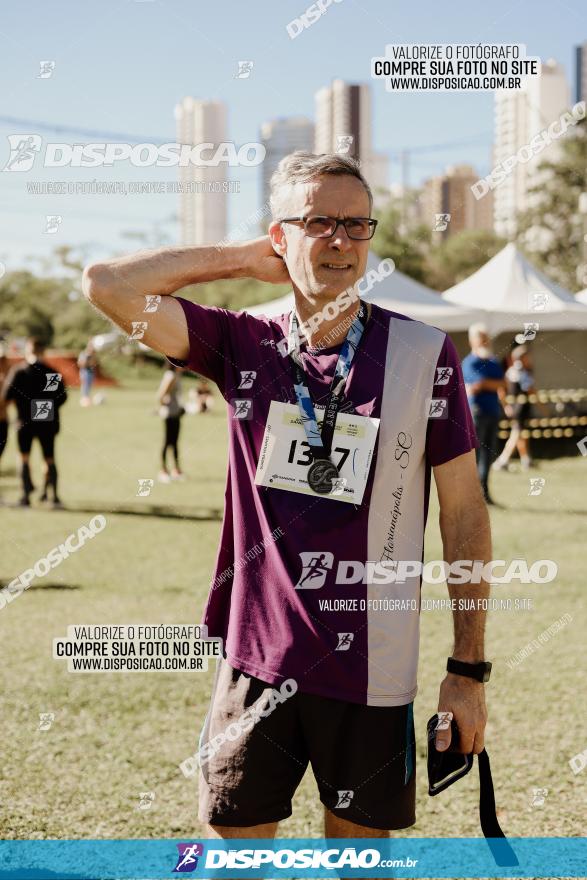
[323, 473]
[321, 476]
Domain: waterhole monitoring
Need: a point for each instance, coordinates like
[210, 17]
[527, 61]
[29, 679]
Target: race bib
[285, 452]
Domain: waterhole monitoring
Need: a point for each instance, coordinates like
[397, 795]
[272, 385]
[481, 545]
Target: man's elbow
[95, 283]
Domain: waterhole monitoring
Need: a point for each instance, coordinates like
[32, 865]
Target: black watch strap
[478, 671]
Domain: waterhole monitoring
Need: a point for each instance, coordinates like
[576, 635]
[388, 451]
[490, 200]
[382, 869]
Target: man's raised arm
[118, 288]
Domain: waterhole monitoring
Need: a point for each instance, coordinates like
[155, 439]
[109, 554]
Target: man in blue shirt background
[484, 378]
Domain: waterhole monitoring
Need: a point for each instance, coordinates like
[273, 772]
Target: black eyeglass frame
[337, 222]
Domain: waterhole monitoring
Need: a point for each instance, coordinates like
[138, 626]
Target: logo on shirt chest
[315, 567]
[247, 378]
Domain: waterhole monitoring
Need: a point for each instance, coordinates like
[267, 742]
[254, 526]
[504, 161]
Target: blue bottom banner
[293, 857]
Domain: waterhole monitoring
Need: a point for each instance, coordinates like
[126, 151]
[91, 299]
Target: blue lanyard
[321, 442]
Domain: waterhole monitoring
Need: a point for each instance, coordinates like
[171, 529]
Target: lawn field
[115, 736]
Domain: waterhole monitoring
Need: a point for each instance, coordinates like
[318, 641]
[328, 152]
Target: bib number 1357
[302, 448]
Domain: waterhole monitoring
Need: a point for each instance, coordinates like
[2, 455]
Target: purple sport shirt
[271, 630]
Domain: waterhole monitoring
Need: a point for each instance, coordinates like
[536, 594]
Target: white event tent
[398, 293]
[508, 289]
[512, 292]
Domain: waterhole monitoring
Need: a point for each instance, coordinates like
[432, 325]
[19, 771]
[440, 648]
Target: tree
[406, 249]
[49, 307]
[459, 255]
[551, 230]
[25, 306]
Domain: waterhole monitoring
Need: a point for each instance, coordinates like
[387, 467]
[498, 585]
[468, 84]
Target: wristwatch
[478, 671]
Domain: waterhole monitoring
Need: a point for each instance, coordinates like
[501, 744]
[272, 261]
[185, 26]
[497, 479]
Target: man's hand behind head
[262, 263]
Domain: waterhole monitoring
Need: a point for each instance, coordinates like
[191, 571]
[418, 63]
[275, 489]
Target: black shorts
[521, 412]
[44, 433]
[363, 757]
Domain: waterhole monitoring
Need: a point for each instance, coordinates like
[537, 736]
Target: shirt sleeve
[209, 337]
[454, 433]
[221, 341]
[471, 374]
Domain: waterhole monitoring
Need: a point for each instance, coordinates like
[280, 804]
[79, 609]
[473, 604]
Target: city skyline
[441, 129]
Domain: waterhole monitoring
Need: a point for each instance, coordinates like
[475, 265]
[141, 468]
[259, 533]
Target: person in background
[484, 380]
[519, 384]
[38, 393]
[4, 370]
[171, 411]
[87, 363]
[205, 397]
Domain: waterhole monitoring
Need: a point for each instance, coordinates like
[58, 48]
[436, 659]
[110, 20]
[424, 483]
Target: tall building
[202, 211]
[519, 115]
[448, 205]
[280, 137]
[581, 72]
[343, 125]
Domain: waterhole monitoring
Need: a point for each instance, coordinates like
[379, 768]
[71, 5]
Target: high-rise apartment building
[448, 205]
[581, 72]
[519, 115]
[203, 203]
[344, 125]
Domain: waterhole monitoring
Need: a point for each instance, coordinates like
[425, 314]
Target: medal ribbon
[321, 442]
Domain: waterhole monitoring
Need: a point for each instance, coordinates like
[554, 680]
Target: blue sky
[121, 65]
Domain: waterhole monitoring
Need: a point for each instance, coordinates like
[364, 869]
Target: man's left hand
[465, 698]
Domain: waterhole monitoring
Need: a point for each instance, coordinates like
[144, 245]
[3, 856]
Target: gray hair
[302, 167]
[477, 329]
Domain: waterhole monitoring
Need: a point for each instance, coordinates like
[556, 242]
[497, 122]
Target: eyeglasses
[357, 228]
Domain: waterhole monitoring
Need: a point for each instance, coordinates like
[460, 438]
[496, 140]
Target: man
[38, 393]
[331, 680]
[483, 380]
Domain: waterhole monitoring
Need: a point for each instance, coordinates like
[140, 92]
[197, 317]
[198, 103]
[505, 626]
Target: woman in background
[171, 411]
[520, 385]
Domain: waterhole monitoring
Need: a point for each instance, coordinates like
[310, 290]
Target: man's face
[323, 267]
[481, 340]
